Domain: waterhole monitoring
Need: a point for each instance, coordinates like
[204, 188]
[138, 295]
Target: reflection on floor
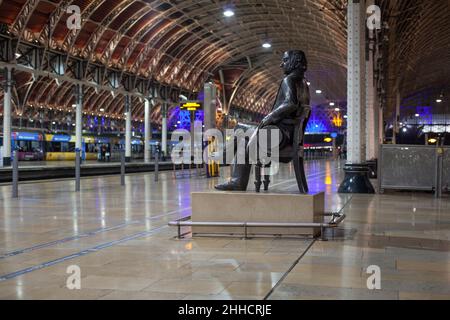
[119, 238]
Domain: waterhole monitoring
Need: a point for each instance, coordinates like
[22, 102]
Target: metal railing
[414, 167]
[336, 219]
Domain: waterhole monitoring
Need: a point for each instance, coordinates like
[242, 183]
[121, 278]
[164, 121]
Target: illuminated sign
[328, 140]
[191, 106]
[338, 121]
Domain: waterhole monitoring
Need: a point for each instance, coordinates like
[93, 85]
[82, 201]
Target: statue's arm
[289, 105]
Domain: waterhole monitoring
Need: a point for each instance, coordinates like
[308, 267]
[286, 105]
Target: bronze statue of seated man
[290, 114]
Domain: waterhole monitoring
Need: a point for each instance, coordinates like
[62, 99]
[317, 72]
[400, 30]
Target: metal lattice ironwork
[166, 48]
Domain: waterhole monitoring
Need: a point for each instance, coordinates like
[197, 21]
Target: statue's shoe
[230, 186]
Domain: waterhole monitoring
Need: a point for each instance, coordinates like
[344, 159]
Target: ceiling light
[53, 122]
[18, 55]
[228, 13]
[417, 115]
[346, 116]
[337, 109]
[405, 129]
[267, 45]
[318, 91]
[438, 100]
[308, 83]
[74, 106]
[102, 110]
[332, 104]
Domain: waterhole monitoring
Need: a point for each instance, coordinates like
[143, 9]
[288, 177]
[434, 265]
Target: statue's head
[294, 60]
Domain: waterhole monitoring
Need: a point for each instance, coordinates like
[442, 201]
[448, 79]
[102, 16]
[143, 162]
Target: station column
[356, 170]
[78, 116]
[371, 116]
[7, 118]
[147, 130]
[210, 105]
[127, 129]
[164, 129]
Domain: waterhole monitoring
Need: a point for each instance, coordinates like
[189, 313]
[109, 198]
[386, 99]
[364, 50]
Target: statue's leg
[266, 177]
[240, 172]
[258, 181]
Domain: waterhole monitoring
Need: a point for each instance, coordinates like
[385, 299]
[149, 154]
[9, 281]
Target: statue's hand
[266, 121]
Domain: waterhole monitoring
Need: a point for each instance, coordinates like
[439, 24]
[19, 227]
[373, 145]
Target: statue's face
[286, 63]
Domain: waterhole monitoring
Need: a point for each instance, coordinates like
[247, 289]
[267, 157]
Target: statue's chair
[294, 152]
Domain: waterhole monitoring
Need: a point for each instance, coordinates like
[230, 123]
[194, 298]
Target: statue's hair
[298, 60]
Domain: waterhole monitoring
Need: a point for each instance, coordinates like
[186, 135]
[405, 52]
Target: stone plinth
[254, 207]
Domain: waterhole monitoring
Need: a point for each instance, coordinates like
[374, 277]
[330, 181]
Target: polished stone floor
[119, 238]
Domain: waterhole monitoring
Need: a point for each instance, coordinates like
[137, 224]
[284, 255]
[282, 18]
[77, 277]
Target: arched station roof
[183, 43]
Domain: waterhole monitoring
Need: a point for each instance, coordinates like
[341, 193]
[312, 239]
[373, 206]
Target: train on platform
[41, 146]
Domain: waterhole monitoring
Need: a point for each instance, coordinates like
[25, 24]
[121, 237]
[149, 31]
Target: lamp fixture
[228, 13]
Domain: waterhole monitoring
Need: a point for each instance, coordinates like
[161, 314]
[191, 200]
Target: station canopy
[176, 46]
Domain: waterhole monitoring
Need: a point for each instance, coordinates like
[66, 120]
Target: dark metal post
[157, 167]
[77, 170]
[439, 169]
[322, 234]
[15, 176]
[122, 167]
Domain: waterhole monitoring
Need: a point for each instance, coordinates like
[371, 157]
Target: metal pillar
[396, 129]
[122, 168]
[15, 175]
[164, 130]
[381, 130]
[356, 171]
[127, 129]
[7, 87]
[371, 125]
[157, 167]
[210, 106]
[439, 172]
[147, 131]
[79, 117]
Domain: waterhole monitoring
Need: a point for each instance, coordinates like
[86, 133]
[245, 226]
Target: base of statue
[247, 207]
[356, 179]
